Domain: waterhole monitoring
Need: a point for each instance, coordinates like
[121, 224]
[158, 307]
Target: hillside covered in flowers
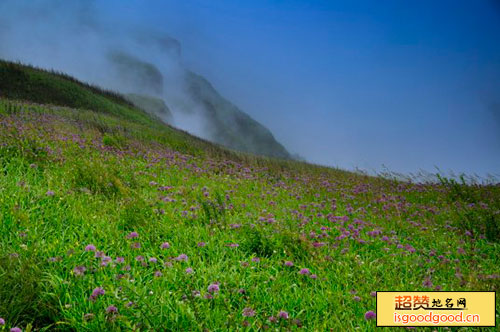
[112, 220]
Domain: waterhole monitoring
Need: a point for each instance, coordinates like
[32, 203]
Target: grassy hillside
[36, 85]
[20, 82]
[112, 221]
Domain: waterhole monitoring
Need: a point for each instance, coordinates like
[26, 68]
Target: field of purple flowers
[107, 225]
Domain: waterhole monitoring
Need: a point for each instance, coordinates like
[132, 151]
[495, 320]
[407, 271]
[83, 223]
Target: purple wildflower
[304, 271]
[2, 321]
[133, 235]
[50, 193]
[139, 258]
[96, 292]
[356, 298]
[120, 259]
[313, 276]
[165, 245]
[105, 260]
[288, 263]
[370, 315]
[248, 312]
[135, 245]
[283, 314]
[373, 294]
[189, 270]
[232, 245]
[182, 257]
[153, 260]
[158, 274]
[213, 288]
[111, 309]
[79, 270]
[16, 329]
[201, 244]
[410, 248]
[90, 247]
[255, 259]
[427, 283]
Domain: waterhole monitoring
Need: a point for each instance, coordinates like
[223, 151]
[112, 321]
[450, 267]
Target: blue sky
[407, 84]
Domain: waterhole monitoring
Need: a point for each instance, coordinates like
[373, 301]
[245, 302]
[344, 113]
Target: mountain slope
[136, 75]
[20, 82]
[229, 125]
[222, 122]
[27, 83]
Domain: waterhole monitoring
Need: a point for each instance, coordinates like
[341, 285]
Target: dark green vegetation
[230, 126]
[142, 76]
[26, 83]
[152, 105]
[110, 220]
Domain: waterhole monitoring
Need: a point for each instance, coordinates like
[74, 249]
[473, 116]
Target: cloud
[96, 45]
[81, 39]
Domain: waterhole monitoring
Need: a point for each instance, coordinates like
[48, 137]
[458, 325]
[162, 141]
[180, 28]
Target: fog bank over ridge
[138, 62]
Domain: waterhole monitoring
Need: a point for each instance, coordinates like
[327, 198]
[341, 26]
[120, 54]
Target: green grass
[70, 177]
